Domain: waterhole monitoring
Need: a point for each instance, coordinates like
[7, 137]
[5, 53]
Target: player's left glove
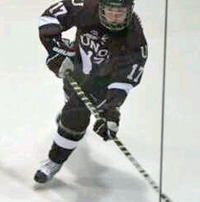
[107, 126]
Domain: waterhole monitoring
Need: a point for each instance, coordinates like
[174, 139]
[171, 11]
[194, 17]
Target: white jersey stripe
[44, 20]
[65, 143]
[122, 86]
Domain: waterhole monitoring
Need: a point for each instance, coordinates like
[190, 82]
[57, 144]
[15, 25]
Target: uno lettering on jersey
[93, 50]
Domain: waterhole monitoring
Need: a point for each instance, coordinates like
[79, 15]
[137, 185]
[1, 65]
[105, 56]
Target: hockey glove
[62, 53]
[108, 127]
[66, 67]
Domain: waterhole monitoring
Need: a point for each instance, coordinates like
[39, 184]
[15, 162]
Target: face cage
[115, 27]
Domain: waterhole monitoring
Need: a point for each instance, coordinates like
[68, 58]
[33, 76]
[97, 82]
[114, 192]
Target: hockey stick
[124, 150]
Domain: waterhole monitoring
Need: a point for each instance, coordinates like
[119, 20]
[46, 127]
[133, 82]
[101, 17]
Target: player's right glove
[66, 67]
[60, 59]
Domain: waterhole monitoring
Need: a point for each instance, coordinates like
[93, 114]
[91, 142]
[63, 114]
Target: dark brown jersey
[116, 58]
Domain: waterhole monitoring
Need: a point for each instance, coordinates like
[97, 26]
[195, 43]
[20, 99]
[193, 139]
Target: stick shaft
[119, 144]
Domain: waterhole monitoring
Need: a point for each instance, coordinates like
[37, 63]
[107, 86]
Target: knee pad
[69, 133]
[72, 123]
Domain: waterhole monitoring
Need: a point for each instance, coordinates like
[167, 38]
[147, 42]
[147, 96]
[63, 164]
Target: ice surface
[31, 96]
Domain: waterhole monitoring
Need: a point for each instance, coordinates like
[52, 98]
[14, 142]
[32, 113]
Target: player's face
[115, 14]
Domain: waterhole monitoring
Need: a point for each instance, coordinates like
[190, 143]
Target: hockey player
[107, 60]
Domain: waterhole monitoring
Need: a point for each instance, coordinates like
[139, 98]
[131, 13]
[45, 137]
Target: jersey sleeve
[63, 13]
[129, 68]
[59, 17]
[130, 62]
